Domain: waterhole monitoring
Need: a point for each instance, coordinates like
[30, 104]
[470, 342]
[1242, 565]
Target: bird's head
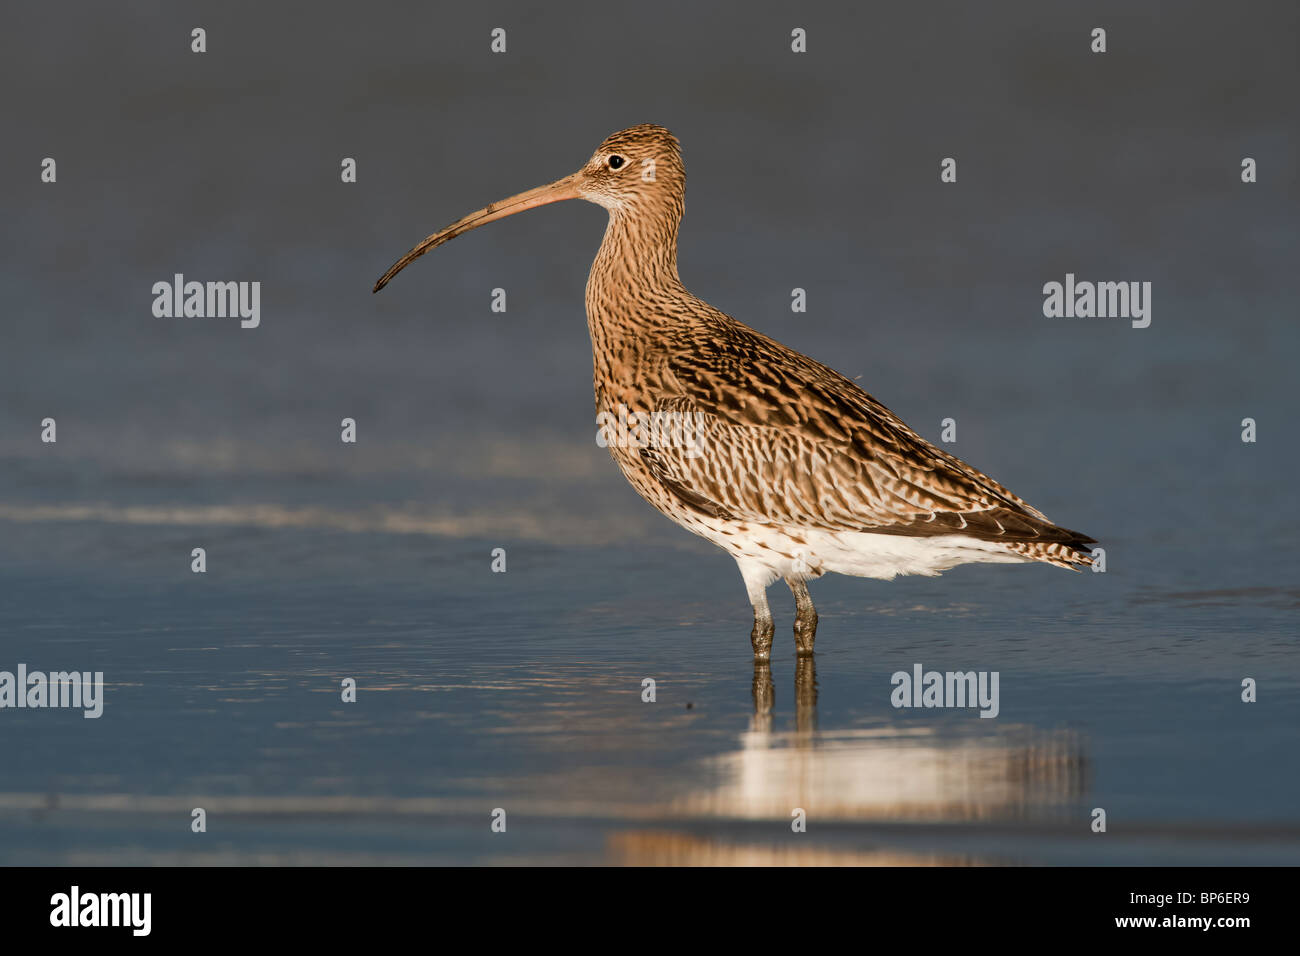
[636, 172]
[635, 168]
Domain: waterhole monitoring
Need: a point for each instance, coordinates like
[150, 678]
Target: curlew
[782, 462]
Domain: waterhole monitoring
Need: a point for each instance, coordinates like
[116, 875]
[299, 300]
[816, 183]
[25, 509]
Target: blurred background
[476, 431]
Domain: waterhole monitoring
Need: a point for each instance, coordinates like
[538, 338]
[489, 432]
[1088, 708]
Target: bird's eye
[615, 162]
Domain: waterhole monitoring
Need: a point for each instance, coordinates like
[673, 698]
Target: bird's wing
[777, 438]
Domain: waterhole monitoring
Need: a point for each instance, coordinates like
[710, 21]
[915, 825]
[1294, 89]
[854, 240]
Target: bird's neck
[634, 276]
[634, 297]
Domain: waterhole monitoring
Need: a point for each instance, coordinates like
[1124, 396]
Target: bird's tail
[1072, 553]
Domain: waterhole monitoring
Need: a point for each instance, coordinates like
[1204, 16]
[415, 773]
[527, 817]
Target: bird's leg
[805, 620]
[757, 578]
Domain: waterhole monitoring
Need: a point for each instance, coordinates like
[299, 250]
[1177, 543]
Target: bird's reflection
[885, 770]
[764, 698]
[805, 697]
[934, 765]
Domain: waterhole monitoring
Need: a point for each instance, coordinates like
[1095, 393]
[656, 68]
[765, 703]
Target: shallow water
[523, 690]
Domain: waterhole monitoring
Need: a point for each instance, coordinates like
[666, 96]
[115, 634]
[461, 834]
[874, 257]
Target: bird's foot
[805, 617]
[805, 632]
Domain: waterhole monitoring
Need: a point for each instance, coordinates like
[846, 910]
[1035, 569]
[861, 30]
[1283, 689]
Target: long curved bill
[566, 188]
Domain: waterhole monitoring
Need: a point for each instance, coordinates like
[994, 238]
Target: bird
[784, 463]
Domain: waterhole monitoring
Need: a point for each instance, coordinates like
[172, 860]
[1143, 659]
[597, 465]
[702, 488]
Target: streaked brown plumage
[799, 471]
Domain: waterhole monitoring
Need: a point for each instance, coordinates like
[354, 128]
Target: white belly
[805, 553]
